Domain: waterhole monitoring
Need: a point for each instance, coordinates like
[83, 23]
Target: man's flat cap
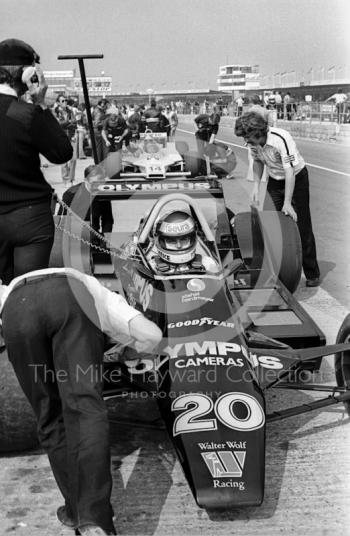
[17, 52]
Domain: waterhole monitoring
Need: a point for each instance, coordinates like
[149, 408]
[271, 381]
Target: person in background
[78, 198]
[26, 131]
[207, 129]
[288, 181]
[279, 105]
[114, 132]
[272, 100]
[114, 129]
[294, 106]
[98, 118]
[54, 322]
[82, 128]
[66, 117]
[287, 107]
[339, 98]
[170, 112]
[239, 102]
[135, 125]
[153, 117]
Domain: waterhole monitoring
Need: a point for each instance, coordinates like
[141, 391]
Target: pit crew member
[288, 181]
[114, 129]
[208, 126]
[154, 118]
[54, 321]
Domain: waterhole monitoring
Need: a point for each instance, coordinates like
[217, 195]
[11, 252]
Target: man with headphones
[27, 129]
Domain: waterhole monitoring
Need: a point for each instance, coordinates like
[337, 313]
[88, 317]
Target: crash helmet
[175, 238]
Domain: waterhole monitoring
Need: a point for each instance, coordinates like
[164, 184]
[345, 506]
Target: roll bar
[164, 200]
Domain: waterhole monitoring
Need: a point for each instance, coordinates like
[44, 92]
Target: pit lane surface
[307, 484]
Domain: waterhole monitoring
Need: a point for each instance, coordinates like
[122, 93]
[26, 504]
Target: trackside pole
[80, 58]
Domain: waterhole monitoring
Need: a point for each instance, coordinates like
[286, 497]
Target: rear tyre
[342, 359]
[281, 238]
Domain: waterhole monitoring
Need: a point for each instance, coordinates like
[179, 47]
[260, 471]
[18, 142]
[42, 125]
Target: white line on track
[242, 147]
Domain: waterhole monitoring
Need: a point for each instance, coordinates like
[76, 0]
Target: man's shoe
[314, 282]
[64, 518]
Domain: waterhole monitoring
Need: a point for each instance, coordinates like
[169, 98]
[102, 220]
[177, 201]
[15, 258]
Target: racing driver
[176, 246]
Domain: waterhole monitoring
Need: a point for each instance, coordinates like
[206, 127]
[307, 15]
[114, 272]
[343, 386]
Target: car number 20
[224, 409]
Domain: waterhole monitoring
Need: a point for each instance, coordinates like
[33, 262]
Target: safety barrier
[326, 131]
[313, 112]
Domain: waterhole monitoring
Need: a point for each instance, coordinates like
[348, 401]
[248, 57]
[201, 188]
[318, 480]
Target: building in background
[237, 79]
[59, 82]
[68, 83]
[98, 86]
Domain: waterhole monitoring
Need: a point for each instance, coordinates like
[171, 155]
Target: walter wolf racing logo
[225, 463]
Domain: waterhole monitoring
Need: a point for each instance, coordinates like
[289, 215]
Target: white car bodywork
[152, 157]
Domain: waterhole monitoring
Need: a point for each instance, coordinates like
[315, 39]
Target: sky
[180, 44]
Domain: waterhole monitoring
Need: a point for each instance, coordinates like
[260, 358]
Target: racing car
[232, 328]
[152, 156]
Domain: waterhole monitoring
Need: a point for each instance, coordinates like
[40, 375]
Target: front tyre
[342, 359]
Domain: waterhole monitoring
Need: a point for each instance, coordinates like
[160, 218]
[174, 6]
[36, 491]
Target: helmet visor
[177, 243]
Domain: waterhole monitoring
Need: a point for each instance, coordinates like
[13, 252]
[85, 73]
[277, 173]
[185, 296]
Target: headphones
[27, 74]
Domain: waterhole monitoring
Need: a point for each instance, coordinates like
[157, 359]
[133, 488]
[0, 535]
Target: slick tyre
[282, 238]
[275, 235]
[17, 422]
[342, 359]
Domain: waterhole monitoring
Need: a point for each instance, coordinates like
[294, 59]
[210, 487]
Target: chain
[113, 251]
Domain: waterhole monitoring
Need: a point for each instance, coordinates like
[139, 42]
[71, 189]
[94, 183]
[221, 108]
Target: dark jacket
[78, 198]
[26, 131]
[155, 120]
[207, 125]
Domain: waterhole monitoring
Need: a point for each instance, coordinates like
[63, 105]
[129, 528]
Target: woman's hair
[251, 123]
